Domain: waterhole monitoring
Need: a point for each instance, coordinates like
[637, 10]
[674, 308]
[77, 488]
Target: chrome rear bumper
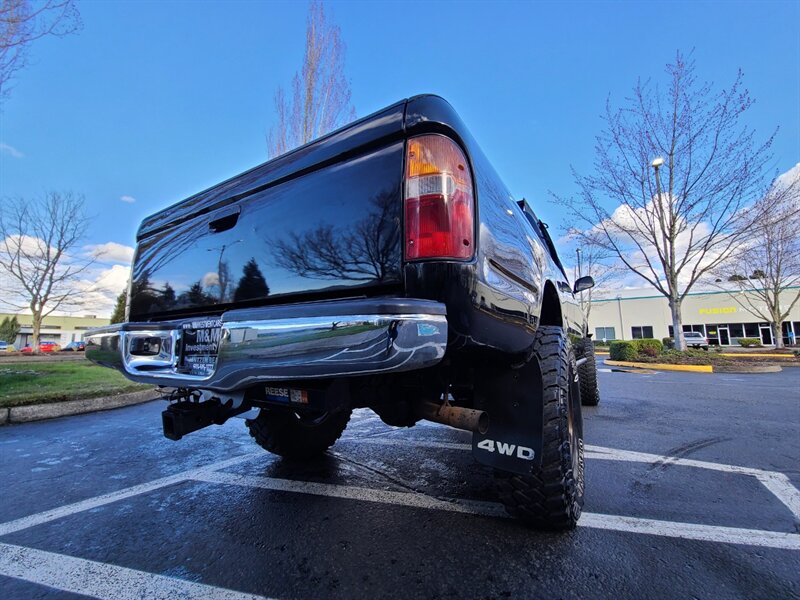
[300, 341]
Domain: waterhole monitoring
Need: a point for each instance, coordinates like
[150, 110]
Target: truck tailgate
[295, 228]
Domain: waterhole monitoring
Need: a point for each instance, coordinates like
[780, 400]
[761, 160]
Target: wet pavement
[691, 492]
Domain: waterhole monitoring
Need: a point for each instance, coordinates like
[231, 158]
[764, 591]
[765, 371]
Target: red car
[44, 348]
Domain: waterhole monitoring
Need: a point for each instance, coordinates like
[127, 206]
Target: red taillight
[439, 203]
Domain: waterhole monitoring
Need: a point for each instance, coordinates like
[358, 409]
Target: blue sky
[158, 100]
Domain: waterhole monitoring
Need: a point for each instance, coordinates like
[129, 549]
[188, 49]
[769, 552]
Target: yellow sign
[721, 310]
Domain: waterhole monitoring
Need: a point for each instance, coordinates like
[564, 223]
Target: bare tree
[369, 251]
[22, 22]
[673, 229]
[320, 91]
[37, 265]
[597, 262]
[766, 265]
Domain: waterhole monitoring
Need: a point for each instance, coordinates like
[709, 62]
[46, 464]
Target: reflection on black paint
[252, 283]
[195, 296]
[147, 298]
[369, 251]
[326, 232]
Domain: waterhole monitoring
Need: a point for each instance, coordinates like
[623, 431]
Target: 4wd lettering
[522, 452]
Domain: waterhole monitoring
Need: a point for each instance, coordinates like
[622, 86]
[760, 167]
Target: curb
[749, 369]
[698, 368]
[661, 366]
[730, 355]
[52, 410]
[756, 355]
[34, 358]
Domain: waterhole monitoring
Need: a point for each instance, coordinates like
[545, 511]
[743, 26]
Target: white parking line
[136, 490]
[349, 492]
[777, 483]
[688, 531]
[101, 580]
[782, 488]
[109, 581]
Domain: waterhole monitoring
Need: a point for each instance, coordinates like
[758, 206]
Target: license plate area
[200, 346]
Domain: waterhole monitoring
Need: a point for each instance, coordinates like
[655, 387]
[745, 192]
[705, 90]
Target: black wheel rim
[575, 427]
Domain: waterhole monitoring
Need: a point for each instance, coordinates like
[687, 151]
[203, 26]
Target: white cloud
[114, 279]
[210, 279]
[128, 199]
[787, 179]
[10, 150]
[99, 290]
[111, 252]
[27, 244]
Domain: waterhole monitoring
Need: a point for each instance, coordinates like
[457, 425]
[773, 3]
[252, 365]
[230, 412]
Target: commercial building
[59, 329]
[719, 315]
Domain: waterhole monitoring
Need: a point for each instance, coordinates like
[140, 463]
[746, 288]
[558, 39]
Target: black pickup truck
[386, 266]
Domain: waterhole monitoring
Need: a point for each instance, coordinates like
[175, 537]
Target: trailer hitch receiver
[182, 418]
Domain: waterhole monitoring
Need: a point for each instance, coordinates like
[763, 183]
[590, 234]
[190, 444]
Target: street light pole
[222, 277]
[656, 164]
[677, 335]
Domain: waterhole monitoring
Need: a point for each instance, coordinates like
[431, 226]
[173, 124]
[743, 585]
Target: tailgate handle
[225, 221]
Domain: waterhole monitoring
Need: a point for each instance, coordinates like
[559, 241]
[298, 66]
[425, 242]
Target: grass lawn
[36, 382]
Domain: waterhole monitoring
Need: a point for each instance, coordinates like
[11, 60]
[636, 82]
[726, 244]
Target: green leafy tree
[9, 329]
[196, 296]
[118, 316]
[252, 283]
[168, 298]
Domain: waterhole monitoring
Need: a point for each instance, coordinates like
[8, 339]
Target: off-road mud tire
[587, 374]
[552, 496]
[297, 436]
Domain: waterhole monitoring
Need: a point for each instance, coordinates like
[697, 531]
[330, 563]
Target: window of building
[751, 330]
[639, 332]
[605, 333]
[737, 330]
[687, 328]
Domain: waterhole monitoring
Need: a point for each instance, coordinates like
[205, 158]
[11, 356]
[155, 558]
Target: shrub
[648, 351]
[649, 347]
[749, 342]
[669, 343]
[622, 351]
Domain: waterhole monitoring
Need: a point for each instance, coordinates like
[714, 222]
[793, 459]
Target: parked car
[74, 347]
[384, 265]
[695, 339]
[44, 347]
[6, 347]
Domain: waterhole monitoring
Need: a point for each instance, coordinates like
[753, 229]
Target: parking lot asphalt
[691, 492]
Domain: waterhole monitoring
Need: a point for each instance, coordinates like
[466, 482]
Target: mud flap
[513, 399]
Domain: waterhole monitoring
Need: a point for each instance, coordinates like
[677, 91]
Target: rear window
[692, 334]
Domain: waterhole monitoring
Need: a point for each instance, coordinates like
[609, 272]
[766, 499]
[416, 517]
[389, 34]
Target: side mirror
[584, 283]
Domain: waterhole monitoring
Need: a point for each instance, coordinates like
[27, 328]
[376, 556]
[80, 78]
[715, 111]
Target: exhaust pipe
[468, 419]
